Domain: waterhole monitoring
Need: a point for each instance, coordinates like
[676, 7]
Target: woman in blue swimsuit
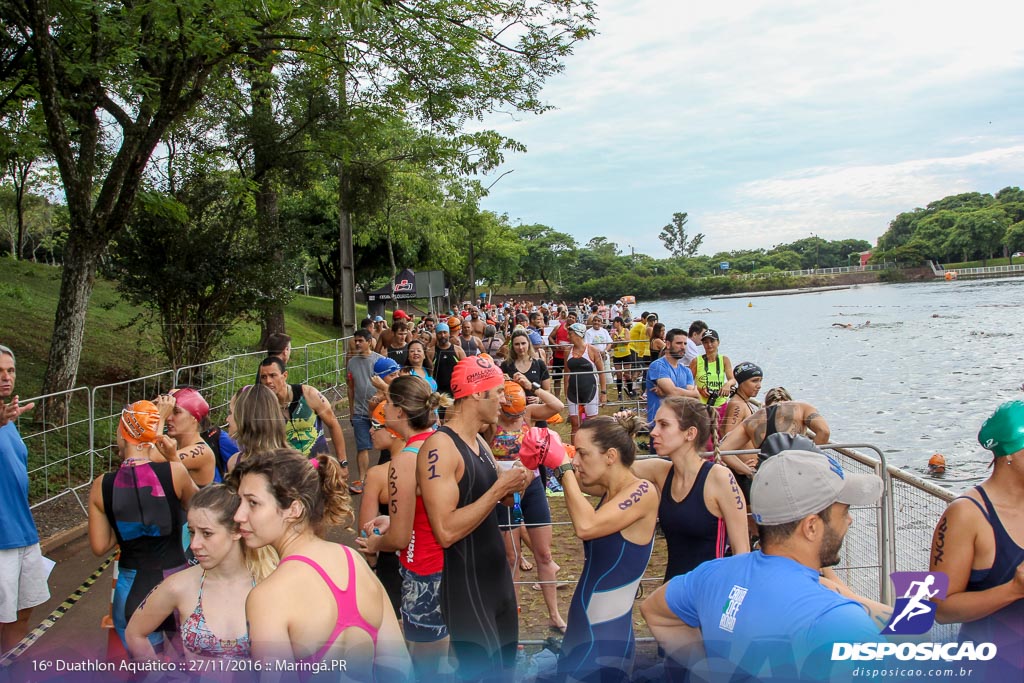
[209, 597]
[617, 540]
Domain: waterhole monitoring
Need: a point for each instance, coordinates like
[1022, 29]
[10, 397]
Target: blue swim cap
[385, 366]
[1003, 432]
[442, 327]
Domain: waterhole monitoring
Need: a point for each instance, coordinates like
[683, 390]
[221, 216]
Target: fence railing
[65, 458]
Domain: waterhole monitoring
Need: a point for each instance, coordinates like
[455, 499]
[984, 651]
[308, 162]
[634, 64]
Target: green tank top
[302, 429]
[711, 378]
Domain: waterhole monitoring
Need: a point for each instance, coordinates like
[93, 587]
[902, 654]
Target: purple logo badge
[914, 613]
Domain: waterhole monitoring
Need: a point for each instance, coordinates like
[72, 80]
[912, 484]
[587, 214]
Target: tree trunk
[346, 258]
[346, 254]
[77, 278]
[472, 272]
[265, 164]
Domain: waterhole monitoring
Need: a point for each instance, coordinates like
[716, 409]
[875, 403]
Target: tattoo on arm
[642, 488]
[940, 540]
[812, 416]
[393, 489]
[432, 458]
[735, 489]
[194, 453]
[142, 605]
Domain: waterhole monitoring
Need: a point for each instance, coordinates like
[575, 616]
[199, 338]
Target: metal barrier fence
[108, 400]
[59, 461]
[64, 459]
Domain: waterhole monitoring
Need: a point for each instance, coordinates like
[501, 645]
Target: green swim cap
[1003, 432]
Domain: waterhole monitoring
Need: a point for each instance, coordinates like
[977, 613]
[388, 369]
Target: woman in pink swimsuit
[323, 604]
[209, 597]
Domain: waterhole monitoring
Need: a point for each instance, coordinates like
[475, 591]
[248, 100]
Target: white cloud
[765, 118]
[854, 201]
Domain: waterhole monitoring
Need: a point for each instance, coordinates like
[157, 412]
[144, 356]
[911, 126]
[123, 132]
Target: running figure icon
[917, 593]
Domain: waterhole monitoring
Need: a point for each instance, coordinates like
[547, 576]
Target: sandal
[356, 487]
[525, 565]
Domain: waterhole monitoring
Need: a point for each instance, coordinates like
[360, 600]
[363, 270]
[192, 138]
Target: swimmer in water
[851, 326]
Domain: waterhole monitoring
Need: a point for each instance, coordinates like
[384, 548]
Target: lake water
[935, 361]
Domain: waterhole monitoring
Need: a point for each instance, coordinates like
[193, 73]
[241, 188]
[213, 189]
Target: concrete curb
[63, 537]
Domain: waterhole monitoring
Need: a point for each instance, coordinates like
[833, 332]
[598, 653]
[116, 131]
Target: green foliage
[675, 239]
[547, 253]
[963, 226]
[198, 261]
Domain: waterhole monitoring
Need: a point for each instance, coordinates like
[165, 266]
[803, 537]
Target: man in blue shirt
[23, 570]
[667, 376]
[765, 615]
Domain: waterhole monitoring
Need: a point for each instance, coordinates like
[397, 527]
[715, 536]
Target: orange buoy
[937, 463]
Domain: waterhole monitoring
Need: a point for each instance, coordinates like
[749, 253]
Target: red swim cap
[541, 445]
[474, 375]
[138, 423]
[192, 402]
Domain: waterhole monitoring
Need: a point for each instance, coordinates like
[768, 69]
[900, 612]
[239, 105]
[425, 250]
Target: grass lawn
[118, 345]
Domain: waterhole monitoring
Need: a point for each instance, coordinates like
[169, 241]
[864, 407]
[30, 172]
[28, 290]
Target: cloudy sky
[769, 120]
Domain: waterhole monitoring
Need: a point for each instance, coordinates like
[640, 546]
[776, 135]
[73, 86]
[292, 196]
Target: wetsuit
[599, 640]
[1004, 627]
[692, 534]
[143, 509]
[478, 600]
[444, 363]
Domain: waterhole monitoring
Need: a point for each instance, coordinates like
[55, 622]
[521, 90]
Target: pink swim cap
[474, 375]
[541, 446]
[192, 402]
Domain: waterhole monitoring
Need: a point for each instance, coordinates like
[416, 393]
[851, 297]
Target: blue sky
[767, 121]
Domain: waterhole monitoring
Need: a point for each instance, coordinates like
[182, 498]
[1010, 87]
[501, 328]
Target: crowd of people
[222, 533]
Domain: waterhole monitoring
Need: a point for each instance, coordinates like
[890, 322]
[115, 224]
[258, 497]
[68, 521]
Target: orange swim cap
[454, 321]
[515, 399]
[937, 463]
[138, 423]
[378, 417]
[474, 375]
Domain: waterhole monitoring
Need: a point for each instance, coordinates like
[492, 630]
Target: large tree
[675, 239]
[111, 79]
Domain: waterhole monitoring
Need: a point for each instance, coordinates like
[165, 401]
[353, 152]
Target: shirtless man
[461, 484]
[780, 414]
[181, 412]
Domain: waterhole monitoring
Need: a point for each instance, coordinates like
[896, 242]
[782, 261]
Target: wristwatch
[561, 470]
[534, 386]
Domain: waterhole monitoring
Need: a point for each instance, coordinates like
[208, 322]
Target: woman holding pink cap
[140, 508]
[618, 537]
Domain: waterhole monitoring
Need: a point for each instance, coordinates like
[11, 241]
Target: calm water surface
[935, 361]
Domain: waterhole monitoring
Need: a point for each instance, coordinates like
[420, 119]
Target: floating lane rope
[54, 616]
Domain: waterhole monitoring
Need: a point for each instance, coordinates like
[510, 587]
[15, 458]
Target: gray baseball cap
[793, 484]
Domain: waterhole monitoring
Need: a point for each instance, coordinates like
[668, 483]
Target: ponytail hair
[318, 484]
[617, 432]
[413, 395]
